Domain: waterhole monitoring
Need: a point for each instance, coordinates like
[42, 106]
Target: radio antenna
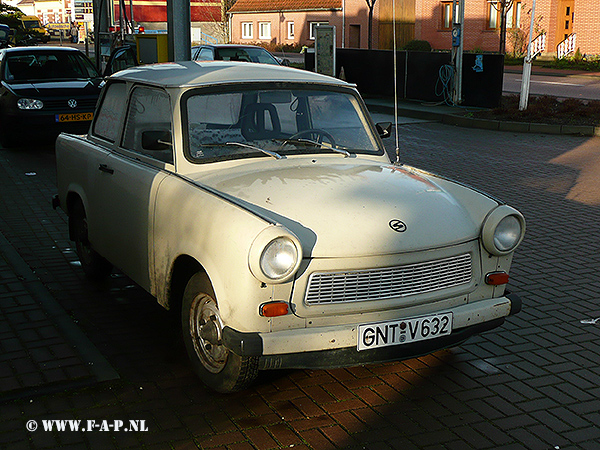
[395, 82]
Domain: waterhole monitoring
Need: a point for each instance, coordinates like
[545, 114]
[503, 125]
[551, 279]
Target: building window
[513, 14]
[290, 29]
[493, 15]
[247, 32]
[312, 26]
[264, 30]
[446, 15]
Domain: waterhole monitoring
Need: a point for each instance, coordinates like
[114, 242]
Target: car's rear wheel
[217, 366]
[94, 265]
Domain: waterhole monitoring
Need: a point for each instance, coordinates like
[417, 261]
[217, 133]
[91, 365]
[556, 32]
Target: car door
[105, 133]
[121, 58]
[134, 172]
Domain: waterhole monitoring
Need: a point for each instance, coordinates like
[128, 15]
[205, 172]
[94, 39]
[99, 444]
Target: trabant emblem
[72, 103]
[398, 225]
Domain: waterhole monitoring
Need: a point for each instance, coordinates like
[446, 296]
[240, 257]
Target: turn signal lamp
[496, 278]
[273, 309]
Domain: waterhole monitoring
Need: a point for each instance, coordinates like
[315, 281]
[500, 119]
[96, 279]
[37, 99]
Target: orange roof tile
[284, 5]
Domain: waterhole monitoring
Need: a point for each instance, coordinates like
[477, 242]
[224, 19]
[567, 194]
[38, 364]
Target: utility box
[325, 50]
[152, 48]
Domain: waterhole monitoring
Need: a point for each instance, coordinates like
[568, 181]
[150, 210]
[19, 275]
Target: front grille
[61, 105]
[389, 282]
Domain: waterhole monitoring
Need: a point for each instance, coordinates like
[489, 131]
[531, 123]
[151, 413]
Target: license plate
[383, 334]
[74, 117]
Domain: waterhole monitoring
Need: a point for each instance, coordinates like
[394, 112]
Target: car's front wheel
[218, 367]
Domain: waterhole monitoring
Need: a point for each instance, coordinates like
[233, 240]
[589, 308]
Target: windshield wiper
[266, 152]
[346, 153]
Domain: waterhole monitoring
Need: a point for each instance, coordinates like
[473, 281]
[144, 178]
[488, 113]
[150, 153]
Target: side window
[110, 114]
[205, 54]
[148, 125]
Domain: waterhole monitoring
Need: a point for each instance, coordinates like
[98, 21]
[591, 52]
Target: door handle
[104, 168]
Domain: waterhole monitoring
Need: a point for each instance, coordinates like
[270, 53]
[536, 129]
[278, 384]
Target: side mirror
[384, 129]
[156, 140]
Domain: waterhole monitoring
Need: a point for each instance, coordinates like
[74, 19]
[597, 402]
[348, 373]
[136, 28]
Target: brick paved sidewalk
[41, 348]
[532, 384]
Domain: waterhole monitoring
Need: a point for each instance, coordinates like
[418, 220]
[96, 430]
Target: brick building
[292, 22]
[559, 19]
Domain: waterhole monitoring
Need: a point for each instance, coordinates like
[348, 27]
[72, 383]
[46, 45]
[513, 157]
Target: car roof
[230, 46]
[206, 73]
[44, 48]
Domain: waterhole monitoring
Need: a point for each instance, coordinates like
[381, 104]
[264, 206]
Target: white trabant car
[259, 201]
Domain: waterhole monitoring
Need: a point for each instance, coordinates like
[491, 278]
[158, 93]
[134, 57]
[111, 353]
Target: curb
[488, 124]
[550, 72]
[521, 127]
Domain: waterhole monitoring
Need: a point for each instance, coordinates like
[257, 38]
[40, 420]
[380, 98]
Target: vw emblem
[72, 103]
[398, 225]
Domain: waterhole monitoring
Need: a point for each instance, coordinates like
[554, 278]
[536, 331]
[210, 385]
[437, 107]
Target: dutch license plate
[383, 334]
[74, 117]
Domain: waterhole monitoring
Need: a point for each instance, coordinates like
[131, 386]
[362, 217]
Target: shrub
[417, 46]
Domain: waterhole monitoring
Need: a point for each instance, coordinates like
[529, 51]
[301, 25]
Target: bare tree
[371, 5]
[503, 7]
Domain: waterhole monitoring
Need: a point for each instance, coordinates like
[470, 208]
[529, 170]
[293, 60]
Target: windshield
[246, 54]
[23, 67]
[31, 24]
[286, 121]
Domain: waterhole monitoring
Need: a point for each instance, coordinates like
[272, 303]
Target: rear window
[23, 67]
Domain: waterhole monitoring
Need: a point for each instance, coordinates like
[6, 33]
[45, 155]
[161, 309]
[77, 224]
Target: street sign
[84, 17]
[58, 26]
[84, 11]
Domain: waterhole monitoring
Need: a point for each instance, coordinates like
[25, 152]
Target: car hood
[56, 88]
[353, 208]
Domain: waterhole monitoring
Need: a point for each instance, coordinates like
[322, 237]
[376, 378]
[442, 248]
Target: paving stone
[529, 384]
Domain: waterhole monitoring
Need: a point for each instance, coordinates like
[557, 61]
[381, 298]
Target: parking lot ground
[43, 350]
[531, 384]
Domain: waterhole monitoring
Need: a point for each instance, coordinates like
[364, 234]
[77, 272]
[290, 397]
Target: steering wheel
[314, 134]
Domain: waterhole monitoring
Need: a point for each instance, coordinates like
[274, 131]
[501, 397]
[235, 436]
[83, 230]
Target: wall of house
[51, 11]
[476, 34]
[405, 22]
[428, 15]
[355, 18]
[587, 27]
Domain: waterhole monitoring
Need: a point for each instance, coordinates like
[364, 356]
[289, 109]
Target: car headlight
[278, 258]
[29, 103]
[275, 255]
[503, 230]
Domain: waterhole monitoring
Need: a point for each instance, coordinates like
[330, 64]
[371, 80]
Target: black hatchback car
[43, 91]
[234, 52]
